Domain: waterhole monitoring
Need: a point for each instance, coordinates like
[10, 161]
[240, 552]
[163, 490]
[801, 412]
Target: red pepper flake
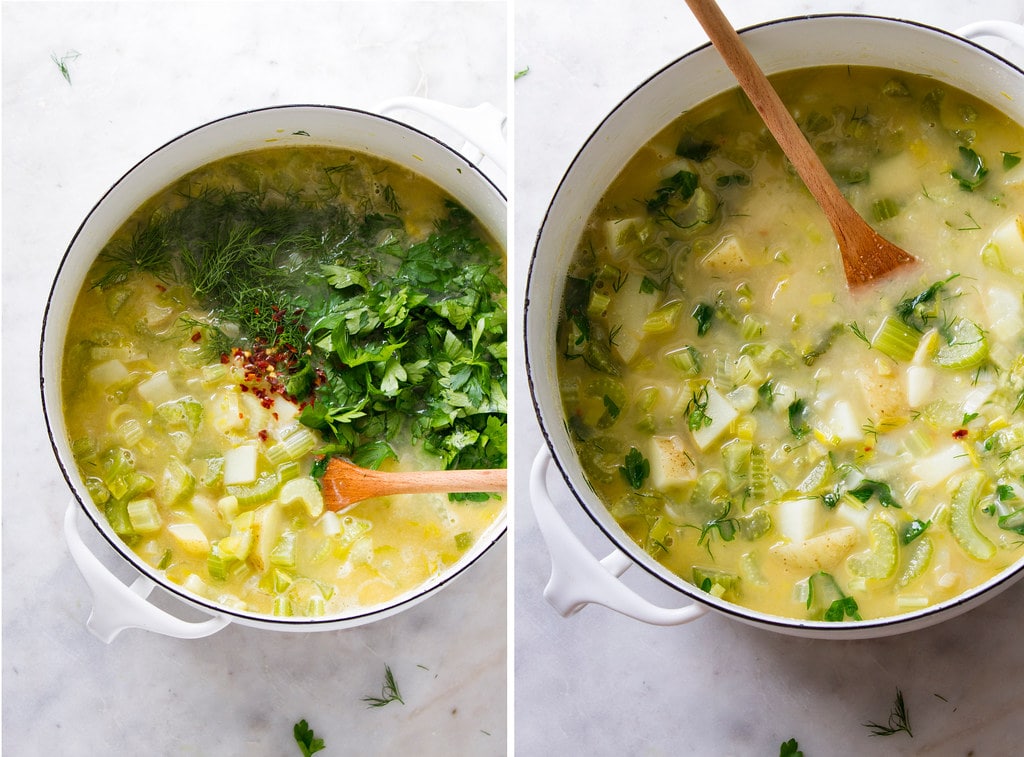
[197, 336]
[960, 433]
[263, 435]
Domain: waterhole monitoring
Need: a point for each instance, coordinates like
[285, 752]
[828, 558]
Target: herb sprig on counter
[389, 691]
[309, 743]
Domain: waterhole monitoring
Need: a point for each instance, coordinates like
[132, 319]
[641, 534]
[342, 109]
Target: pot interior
[778, 46]
[298, 125]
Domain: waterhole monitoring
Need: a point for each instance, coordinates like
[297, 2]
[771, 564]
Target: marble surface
[144, 73]
[598, 683]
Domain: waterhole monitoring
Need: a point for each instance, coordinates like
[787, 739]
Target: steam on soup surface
[261, 313]
[765, 434]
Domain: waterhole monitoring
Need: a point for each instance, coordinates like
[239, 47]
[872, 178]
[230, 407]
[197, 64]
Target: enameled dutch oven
[577, 577]
[117, 606]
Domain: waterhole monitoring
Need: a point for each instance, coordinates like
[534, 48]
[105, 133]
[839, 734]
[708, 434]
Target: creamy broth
[767, 435]
[203, 389]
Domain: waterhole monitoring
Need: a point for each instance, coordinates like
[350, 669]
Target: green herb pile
[373, 334]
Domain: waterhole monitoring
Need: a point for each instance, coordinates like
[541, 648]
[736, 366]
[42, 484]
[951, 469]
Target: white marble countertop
[144, 73]
[598, 683]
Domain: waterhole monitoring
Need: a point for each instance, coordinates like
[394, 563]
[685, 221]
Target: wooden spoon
[866, 255]
[344, 483]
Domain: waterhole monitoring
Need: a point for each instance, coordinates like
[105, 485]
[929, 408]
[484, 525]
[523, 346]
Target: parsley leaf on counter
[790, 749]
[306, 739]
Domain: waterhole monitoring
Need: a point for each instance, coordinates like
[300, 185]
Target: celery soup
[263, 313]
[782, 443]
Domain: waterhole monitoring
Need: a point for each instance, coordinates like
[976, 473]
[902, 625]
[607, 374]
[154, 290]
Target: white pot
[577, 577]
[115, 605]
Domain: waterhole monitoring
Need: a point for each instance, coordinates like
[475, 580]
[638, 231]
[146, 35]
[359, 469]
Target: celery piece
[707, 579]
[736, 459]
[687, 359]
[464, 540]
[144, 515]
[967, 346]
[663, 319]
[752, 327]
[236, 545]
[305, 491]
[759, 479]
[896, 339]
[919, 558]
[177, 483]
[1013, 521]
[283, 553]
[755, 524]
[880, 560]
[299, 443]
[884, 209]
[282, 607]
[658, 536]
[116, 511]
[276, 454]
[130, 432]
[213, 473]
[961, 521]
[826, 601]
[288, 470]
[219, 562]
[98, 492]
[598, 305]
[316, 606]
[262, 489]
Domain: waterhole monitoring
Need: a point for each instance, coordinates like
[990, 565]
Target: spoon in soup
[867, 255]
[345, 484]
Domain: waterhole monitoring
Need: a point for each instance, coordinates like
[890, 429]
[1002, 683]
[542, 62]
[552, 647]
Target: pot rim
[360, 615]
[848, 629]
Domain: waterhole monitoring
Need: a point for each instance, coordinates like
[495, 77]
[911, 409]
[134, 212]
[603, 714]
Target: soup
[268, 311]
[781, 442]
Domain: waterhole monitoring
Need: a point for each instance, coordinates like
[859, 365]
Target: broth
[755, 427]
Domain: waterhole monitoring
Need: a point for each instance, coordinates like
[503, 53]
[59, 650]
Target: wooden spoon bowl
[867, 256]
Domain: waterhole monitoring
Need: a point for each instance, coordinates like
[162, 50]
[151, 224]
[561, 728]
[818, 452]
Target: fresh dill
[859, 333]
[899, 720]
[63, 61]
[389, 691]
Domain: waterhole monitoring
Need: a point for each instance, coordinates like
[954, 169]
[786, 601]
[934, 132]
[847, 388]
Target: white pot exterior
[278, 126]
[777, 46]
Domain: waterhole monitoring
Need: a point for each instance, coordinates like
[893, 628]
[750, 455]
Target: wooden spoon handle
[426, 482]
[776, 116]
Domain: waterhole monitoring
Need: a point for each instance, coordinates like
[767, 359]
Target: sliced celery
[663, 319]
[715, 581]
[262, 489]
[305, 491]
[144, 515]
[283, 553]
[961, 520]
[967, 346]
[896, 339]
[464, 540]
[880, 561]
[177, 483]
[918, 561]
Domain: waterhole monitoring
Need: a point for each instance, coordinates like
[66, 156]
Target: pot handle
[578, 578]
[480, 126]
[116, 606]
[1008, 30]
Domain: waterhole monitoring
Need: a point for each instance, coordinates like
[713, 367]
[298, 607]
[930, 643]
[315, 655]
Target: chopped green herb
[972, 171]
[697, 150]
[914, 529]
[636, 468]
[869, 488]
[681, 185]
[798, 425]
[703, 314]
[766, 393]
[389, 691]
[521, 73]
[790, 749]
[1005, 492]
[696, 409]
[917, 311]
[62, 63]
[307, 740]
[1010, 159]
[859, 333]
[611, 407]
[899, 720]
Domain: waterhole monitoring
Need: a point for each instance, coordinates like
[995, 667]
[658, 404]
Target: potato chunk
[820, 552]
[671, 463]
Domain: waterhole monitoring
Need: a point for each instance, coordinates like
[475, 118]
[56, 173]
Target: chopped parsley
[636, 468]
[790, 749]
[869, 488]
[971, 172]
[697, 410]
[703, 314]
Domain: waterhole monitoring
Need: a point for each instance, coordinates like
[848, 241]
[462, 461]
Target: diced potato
[671, 464]
[920, 380]
[624, 234]
[267, 524]
[1005, 247]
[257, 416]
[226, 413]
[108, 373]
[727, 257]
[722, 414]
[240, 464]
[158, 388]
[1004, 308]
[821, 552]
[843, 423]
[885, 396]
[936, 468]
[797, 519]
[190, 538]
